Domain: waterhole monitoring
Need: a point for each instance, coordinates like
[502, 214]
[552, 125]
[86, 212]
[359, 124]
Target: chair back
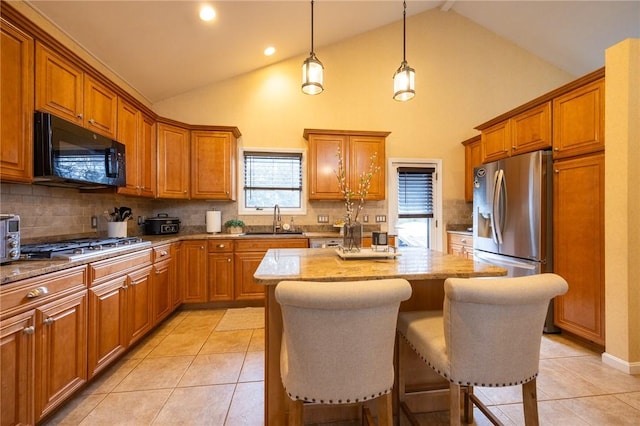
[338, 339]
[493, 327]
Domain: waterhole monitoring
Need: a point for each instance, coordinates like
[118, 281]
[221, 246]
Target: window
[271, 178]
[414, 202]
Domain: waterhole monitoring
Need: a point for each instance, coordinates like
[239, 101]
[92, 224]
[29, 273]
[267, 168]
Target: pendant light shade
[404, 80]
[312, 69]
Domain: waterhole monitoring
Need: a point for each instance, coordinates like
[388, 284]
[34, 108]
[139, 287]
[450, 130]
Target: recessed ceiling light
[207, 13]
[269, 51]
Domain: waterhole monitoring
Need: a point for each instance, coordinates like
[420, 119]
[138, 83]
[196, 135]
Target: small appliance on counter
[379, 241]
[10, 234]
[162, 225]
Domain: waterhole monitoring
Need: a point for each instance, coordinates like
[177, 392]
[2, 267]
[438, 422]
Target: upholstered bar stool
[338, 342]
[488, 334]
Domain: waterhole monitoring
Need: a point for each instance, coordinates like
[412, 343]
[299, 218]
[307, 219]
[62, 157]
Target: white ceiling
[162, 49]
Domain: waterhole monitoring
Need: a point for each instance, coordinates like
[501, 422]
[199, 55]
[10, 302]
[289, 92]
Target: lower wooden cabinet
[193, 271]
[460, 244]
[578, 235]
[220, 266]
[61, 351]
[139, 310]
[17, 353]
[162, 277]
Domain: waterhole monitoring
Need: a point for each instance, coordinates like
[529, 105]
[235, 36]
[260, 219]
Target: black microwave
[66, 154]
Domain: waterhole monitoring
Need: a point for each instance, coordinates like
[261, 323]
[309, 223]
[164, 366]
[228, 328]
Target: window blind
[415, 192]
[272, 178]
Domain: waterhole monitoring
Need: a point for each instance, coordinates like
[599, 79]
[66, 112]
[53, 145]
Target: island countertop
[413, 263]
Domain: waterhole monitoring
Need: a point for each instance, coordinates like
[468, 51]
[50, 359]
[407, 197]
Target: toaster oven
[10, 237]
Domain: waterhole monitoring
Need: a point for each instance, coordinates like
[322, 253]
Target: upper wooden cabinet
[472, 159]
[63, 89]
[213, 165]
[138, 132]
[16, 104]
[525, 132]
[357, 148]
[173, 161]
[578, 121]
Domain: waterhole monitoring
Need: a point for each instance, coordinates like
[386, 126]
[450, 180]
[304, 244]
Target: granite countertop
[413, 263]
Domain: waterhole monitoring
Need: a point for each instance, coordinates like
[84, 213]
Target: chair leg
[468, 405]
[454, 404]
[385, 410]
[530, 402]
[296, 413]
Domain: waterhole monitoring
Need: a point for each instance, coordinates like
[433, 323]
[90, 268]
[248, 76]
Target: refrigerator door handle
[496, 214]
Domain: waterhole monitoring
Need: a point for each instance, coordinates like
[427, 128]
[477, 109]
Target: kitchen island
[425, 269]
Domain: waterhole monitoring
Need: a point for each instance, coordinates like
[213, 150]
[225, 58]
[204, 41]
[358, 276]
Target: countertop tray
[367, 254]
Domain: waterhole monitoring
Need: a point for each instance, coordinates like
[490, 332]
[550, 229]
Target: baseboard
[620, 364]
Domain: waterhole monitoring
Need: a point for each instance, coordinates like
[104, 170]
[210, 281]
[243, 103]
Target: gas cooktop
[79, 249]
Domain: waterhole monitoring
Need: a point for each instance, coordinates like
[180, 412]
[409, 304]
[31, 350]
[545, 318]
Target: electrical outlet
[323, 218]
[94, 222]
[365, 218]
[381, 218]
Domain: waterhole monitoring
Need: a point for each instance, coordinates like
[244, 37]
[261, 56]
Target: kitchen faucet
[276, 218]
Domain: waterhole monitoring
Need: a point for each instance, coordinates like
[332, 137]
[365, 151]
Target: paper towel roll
[214, 221]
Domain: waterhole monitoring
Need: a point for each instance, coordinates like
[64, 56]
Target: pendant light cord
[311, 53]
[404, 32]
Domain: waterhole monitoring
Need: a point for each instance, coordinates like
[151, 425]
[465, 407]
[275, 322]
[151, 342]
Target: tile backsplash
[57, 213]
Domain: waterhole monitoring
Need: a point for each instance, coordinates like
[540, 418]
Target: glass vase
[352, 237]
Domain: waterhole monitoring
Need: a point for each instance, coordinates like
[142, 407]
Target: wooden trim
[469, 141]
[202, 127]
[588, 78]
[308, 132]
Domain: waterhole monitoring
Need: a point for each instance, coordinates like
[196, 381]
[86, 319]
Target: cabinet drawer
[264, 244]
[105, 269]
[220, 246]
[162, 252]
[462, 239]
[31, 292]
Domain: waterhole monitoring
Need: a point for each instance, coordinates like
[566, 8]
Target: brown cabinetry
[43, 343]
[460, 244]
[120, 301]
[16, 104]
[578, 216]
[578, 121]
[472, 159]
[213, 165]
[193, 271]
[163, 280]
[137, 132]
[173, 161]
[63, 89]
[525, 132]
[220, 268]
[357, 149]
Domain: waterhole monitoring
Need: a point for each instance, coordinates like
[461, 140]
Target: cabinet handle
[514, 147]
[201, 247]
[463, 240]
[163, 253]
[92, 121]
[220, 246]
[29, 330]
[556, 149]
[37, 292]
[124, 287]
[79, 115]
[157, 271]
[556, 171]
[49, 321]
[229, 259]
[184, 192]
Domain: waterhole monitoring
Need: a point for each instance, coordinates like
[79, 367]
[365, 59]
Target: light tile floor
[187, 373]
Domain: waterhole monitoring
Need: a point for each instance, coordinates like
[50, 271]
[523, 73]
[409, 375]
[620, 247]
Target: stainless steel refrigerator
[512, 216]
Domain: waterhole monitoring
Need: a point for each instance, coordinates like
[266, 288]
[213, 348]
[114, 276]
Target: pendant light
[404, 80]
[312, 69]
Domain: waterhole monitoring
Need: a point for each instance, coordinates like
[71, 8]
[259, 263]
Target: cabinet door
[59, 86]
[147, 157]
[245, 266]
[162, 274]
[61, 351]
[139, 304]
[496, 142]
[16, 104]
[17, 355]
[213, 159]
[193, 267]
[323, 163]
[128, 134]
[107, 323]
[578, 217]
[220, 276]
[100, 107]
[361, 151]
[173, 162]
[531, 130]
[578, 121]
[472, 159]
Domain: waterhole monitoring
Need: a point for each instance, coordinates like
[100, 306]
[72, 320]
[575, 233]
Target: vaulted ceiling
[162, 48]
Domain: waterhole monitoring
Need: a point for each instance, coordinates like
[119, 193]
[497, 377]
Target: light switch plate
[381, 218]
[323, 218]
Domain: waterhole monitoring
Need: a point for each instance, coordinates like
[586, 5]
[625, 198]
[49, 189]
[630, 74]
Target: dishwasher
[324, 242]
